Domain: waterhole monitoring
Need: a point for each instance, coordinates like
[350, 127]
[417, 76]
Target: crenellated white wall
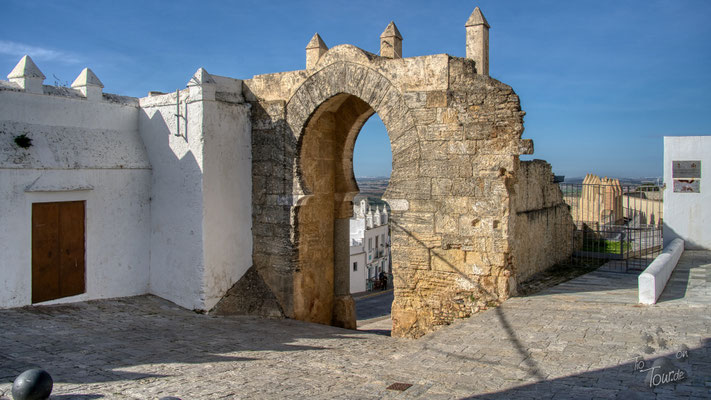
[168, 208]
[81, 151]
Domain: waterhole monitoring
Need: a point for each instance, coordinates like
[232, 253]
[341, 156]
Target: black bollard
[33, 384]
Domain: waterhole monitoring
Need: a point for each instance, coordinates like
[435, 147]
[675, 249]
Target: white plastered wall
[688, 215]
[176, 197]
[178, 226]
[81, 151]
[358, 277]
[201, 208]
[227, 197]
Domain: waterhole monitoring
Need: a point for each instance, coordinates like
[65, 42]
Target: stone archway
[468, 217]
[324, 169]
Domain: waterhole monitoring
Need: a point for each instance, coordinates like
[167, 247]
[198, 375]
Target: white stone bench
[651, 282]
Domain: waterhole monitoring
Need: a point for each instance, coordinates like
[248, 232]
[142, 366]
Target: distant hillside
[372, 189]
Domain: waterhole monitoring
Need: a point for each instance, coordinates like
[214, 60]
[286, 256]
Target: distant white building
[370, 245]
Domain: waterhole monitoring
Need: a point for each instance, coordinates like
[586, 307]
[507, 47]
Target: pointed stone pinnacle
[316, 43]
[391, 31]
[26, 68]
[87, 78]
[201, 77]
[477, 18]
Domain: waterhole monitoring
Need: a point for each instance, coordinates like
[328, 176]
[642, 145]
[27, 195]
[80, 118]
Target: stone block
[478, 130]
[423, 206]
[441, 186]
[434, 150]
[438, 168]
[437, 99]
[424, 239]
[456, 205]
[424, 116]
[398, 204]
[446, 223]
[447, 116]
[416, 100]
[416, 221]
[448, 261]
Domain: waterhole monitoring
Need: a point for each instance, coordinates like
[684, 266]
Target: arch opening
[371, 278]
[322, 290]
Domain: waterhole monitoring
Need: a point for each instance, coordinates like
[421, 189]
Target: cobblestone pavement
[374, 305]
[570, 341]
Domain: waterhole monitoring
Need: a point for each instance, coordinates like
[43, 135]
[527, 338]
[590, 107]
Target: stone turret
[27, 75]
[391, 42]
[478, 41]
[89, 85]
[314, 50]
[590, 198]
[613, 205]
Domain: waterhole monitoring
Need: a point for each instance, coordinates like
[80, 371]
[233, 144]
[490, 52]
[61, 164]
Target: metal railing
[617, 226]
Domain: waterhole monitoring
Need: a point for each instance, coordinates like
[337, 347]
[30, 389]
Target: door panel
[58, 237]
[45, 251]
[71, 244]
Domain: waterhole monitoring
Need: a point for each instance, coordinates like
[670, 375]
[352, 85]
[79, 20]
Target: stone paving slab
[551, 345]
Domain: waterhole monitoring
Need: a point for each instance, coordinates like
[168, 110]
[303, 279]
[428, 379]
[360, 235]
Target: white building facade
[369, 246]
[109, 196]
[687, 200]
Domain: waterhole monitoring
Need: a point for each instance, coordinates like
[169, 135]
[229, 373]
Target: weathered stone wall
[543, 226]
[455, 137]
[273, 153]
[451, 132]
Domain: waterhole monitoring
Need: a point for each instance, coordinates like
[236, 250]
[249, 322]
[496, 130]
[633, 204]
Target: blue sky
[601, 81]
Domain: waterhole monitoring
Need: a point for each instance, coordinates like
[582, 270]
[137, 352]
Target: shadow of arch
[326, 113]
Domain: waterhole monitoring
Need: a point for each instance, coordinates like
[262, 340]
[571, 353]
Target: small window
[355, 266]
[370, 244]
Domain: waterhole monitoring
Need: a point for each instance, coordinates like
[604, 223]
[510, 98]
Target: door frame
[56, 197]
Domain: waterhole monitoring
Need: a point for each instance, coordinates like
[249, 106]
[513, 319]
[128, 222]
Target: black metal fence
[618, 227]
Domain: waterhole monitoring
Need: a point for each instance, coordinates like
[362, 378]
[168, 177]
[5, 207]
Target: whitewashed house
[106, 196]
[370, 245]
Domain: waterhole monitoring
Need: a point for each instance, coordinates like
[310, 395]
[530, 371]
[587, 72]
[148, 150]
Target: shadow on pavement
[93, 341]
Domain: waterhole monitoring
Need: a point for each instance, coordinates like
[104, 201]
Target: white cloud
[37, 53]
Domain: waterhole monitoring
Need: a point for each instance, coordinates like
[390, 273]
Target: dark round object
[33, 384]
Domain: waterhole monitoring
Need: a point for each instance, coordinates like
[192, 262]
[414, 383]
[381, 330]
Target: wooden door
[57, 250]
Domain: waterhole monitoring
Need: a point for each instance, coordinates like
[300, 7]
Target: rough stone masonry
[469, 219]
